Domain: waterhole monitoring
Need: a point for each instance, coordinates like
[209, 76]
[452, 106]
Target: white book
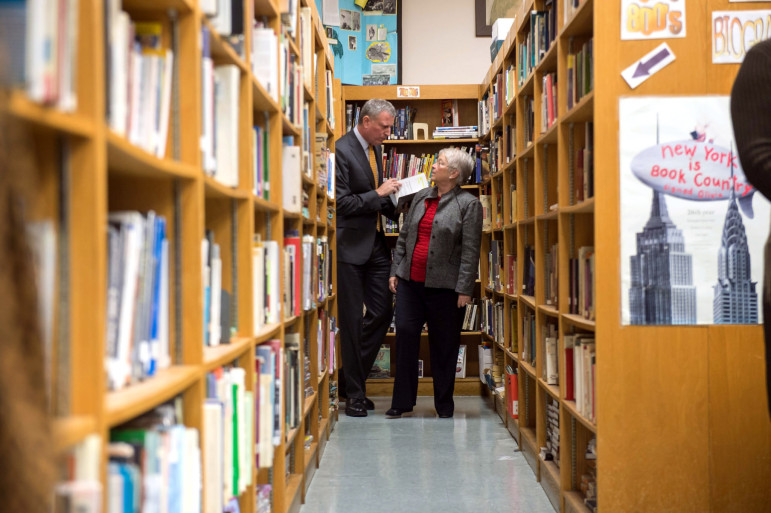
[226, 118]
[272, 279]
[308, 248]
[119, 68]
[165, 103]
[291, 178]
[208, 7]
[265, 59]
[552, 377]
[213, 426]
[190, 496]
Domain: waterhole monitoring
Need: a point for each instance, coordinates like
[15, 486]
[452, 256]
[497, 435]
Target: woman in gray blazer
[433, 274]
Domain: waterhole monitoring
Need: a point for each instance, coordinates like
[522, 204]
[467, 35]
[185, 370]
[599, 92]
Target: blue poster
[364, 40]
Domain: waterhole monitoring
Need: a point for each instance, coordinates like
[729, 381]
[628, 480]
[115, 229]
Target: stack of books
[456, 132]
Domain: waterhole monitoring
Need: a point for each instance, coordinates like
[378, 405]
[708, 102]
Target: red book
[512, 405]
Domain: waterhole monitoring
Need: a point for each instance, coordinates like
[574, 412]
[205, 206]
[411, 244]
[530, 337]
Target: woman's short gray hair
[374, 107]
[460, 161]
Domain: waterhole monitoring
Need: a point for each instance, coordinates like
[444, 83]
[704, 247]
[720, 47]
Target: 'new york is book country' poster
[692, 228]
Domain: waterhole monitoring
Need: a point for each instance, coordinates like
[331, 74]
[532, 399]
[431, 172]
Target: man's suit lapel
[362, 157]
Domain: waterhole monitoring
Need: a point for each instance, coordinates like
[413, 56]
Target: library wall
[687, 403]
[439, 45]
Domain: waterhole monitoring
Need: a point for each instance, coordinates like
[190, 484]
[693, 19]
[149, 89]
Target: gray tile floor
[466, 464]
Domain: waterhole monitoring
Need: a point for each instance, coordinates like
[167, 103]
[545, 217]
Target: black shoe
[369, 404]
[355, 408]
[397, 413]
[445, 415]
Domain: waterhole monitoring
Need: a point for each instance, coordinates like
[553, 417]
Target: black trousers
[417, 304]
[362, 335]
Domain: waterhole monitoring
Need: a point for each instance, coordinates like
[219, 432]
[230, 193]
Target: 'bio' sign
[652, 19]
[695, 171]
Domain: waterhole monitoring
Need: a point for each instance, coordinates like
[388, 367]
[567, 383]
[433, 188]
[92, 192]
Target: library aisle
[423, 463]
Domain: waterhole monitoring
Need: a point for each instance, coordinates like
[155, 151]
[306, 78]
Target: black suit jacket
[357, 201]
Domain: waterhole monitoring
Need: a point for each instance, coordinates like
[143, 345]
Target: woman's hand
[393, 281]
[463, 300]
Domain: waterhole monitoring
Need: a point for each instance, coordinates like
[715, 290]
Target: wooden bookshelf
[669, 390]
[428, 111]
[86, 170]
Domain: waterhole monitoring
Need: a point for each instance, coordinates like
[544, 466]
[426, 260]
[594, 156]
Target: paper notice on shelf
[330, 14]
[409, 187]
[645, 67]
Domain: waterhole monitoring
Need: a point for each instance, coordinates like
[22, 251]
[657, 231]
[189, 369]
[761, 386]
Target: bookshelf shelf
[127, 159]
[570, 406]
[578, 321]
[266, 8]
[552, 390]
[584, 207]
[289, 127]
[309, 403]
[221, 51]
[529, 369]
[261, 99]
[308, 93]
[574, 502]
[549, 136]
[125, 404]
[215, 190]
[528, 152]
[511, 108]
[291, 434]
[182, 6]
[582, 111]
[528, 86]
[549, 61]
[293, 47]
[69, 431]
[528, 300]
[323, 376]
[288, 321]
[263, 205]
[266, 333]
[310, 457]
[549, 216]
[549, 311]
[293, 488]
[223, 354]
[581, 22]
[550, 481]
[73, 124]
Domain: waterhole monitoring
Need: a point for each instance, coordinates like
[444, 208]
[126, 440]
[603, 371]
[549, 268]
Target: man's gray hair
[460, 161]
[374, 107]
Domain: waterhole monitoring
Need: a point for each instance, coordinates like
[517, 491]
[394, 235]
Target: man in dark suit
[363, 257]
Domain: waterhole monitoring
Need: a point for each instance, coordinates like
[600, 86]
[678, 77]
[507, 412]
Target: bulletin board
[364, 38]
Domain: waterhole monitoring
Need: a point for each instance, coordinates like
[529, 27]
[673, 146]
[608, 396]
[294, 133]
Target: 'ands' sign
[695, 171]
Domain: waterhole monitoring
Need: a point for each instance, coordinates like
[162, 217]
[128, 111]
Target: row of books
[41, 37]
[381, 369]
[580, 70]
[139, 80]
[551, 451]
[217, 325]
[581, 298]
[291, 82]
[580, 360]
[528, 341]
[137, 297]
[229, 425]
[294, 390]
[548, 101]
[583, 166]
[154, 464]
[550, 369]
[456, 132]
[493, 321]
[269, 371]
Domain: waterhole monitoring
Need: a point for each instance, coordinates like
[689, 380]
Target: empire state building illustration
[662, 290]
[735, 300]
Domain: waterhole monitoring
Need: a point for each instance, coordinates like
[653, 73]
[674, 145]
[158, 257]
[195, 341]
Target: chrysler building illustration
[735, 300]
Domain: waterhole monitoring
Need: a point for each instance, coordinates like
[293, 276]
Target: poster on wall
[735, 32]
[663, 19]
[365, 39]
[692, 227]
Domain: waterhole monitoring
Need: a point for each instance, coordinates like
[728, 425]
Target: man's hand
[393, 282]
[389, 187]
